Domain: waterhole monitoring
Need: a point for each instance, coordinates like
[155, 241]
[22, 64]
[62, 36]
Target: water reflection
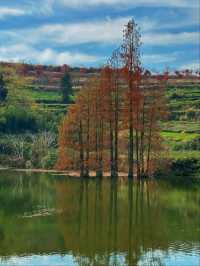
[119, 222]
[65, 221]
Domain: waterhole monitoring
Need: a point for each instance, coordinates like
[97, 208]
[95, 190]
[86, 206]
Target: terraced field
[182, 131]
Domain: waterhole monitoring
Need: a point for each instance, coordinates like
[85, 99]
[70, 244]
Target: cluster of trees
[115, 123]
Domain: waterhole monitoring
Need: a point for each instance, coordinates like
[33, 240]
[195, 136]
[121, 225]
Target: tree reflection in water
[97, 221]
[118, 222]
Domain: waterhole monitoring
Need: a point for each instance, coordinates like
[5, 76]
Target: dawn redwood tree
[156, 112]
[85, 115]
[68, 140]
[87, 111]
[77, 134]
[112, 74]
[106, 90]
[114, 62]
[98, 124]
[99, 107]
[130, 52]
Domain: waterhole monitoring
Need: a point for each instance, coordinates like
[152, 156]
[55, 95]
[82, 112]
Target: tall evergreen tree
[66, 88]
[3, 89]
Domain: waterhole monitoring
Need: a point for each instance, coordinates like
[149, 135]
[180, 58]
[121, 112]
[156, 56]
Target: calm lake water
[51, 220]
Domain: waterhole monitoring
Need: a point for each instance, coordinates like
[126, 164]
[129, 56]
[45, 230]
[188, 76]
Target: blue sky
[85, 32]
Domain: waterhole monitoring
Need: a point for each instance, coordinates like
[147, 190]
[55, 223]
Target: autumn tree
[156, 111]
[75, 136]
[131, 57]
[98, 123]
[110, 78]
[68, 141]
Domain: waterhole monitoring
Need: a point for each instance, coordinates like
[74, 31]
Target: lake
[52, 220]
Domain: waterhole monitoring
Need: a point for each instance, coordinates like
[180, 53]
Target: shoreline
[59, 172]
[76, 174]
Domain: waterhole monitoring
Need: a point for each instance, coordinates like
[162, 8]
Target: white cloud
[22, 52]
[191, 66]
[188, 17]
[159, 58]
[7, 11]
[88, 3]
[47, 7]
[19, 44]
[43, 7]
[165, 39]
[31, 7]
[104, 31]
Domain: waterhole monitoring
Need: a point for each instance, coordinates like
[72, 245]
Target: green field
[44, 96]
[184, 103]
[181, 132]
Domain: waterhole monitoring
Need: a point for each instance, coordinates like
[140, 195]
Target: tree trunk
[149, 143]
[130, 146]
[81, 150]
[142, 143]
[116, 129]
[88, 145]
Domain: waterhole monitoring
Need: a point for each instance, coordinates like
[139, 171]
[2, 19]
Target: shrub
[16, 119]
[28, 150]
[185, 166]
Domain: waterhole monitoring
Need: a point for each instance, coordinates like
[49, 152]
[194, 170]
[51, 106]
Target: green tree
[66, 88]
[3, 89]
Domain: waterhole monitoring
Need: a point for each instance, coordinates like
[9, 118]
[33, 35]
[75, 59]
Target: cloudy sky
[85, 32]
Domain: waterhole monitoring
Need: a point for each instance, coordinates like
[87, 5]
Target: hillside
[46, 84]
[181, 132]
